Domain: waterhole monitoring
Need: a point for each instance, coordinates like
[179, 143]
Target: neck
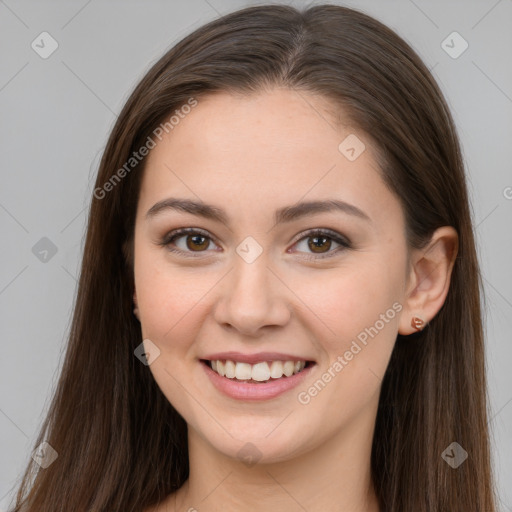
[334, 475]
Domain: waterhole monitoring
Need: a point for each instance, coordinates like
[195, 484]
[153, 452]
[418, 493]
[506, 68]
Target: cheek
[355, 313]
[170, 300]
[344, 298]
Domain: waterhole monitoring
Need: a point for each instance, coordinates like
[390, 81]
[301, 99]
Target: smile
[259, 381]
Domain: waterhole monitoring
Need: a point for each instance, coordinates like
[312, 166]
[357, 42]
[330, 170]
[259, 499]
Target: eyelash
[178, 233]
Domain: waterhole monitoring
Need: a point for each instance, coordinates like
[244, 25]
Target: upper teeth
[259, 371]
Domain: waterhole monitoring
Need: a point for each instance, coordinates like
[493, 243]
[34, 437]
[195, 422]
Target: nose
[252, 297]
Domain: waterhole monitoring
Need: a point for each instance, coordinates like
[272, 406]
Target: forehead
[262, 151]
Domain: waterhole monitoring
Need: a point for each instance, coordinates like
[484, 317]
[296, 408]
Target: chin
[255, 442]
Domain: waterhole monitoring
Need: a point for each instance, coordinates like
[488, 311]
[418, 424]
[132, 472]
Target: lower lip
[250, 391]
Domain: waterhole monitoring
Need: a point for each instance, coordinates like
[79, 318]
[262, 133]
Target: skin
[251, 155]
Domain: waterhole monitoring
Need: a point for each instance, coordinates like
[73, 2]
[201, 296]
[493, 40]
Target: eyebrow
[282, 215]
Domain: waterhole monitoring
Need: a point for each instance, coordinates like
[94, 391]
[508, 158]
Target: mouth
[258, 373]
[261, 380]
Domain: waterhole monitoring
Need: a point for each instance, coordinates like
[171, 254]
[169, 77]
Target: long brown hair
[121, 445]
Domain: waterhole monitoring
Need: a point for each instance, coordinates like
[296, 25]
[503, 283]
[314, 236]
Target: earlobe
[430, 280]
[417, 323]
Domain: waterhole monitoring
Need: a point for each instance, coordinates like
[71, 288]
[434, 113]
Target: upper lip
[239, 357]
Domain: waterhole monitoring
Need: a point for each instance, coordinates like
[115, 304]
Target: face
[322, 290]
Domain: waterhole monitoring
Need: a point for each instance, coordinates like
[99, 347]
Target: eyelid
[321, 231]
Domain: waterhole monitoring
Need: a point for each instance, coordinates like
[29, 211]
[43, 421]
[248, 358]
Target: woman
[278, 307]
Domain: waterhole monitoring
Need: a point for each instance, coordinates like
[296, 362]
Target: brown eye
[319, 244]
[195, 241]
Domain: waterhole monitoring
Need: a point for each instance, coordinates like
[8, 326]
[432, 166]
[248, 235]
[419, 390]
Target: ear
[428, 279]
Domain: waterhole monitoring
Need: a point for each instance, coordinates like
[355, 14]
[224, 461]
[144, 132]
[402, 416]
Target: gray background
[56, 115]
